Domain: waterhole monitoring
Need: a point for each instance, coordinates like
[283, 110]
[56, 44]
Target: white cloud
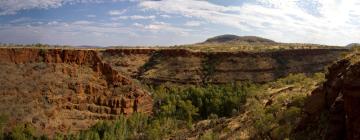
[8, 7]
[94, 33]
[316, 21]
[72, 33]
[119, 18]
[193, 23]
[20, 20]
[82, 22]
[165, 16]
[53, 23]
[91, 16]
[133, 17]
[117, 12]
[142, 17]
[165, 27]
[138, 24]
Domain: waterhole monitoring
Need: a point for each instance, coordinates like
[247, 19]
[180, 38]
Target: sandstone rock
[340, 96]
[82, 101]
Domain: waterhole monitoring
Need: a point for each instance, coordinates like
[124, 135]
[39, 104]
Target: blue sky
[170, 22]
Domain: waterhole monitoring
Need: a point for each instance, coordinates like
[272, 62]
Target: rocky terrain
[338, 98]
[65, 90]
[180, 66]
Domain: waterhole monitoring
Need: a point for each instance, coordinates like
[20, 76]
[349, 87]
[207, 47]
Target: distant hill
[239, 39]
[232, 43]
[353, 45]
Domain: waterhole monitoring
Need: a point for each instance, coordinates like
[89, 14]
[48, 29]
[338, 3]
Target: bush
[210, 135]
[21, 132]
[161, 128]
[3, 120]
[200, 102]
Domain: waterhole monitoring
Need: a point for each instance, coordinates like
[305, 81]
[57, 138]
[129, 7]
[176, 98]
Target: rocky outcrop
[81, 84]
[339, 95]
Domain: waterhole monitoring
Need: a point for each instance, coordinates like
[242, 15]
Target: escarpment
[65, 90]
[339, 97]
[180, 66]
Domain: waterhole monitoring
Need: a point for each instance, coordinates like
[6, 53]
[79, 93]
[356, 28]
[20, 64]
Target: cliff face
[186, 67]
[65, 90]
[339, 96]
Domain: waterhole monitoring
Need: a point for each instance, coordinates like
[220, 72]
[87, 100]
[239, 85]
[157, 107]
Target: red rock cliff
[96, 99]
[340, 96]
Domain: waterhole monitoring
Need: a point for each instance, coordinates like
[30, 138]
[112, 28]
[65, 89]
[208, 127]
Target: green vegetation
[251, 47]
[282, 111]
[3, 120]
[273, 111]
[209, 66]
[200, 102]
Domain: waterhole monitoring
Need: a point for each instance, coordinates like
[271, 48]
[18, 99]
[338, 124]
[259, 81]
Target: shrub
[3, 120]
[21, 132]
[210, 135]
[200, 102]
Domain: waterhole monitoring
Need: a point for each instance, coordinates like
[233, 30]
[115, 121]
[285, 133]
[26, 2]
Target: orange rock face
[72, 91]
[339, 95]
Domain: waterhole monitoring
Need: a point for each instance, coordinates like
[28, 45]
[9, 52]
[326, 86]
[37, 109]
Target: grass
[233, 47]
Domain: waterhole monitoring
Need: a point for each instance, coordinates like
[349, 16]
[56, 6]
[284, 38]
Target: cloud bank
[332, 22]
[318, 21]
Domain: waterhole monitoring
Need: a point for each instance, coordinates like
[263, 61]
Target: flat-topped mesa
[84, 85]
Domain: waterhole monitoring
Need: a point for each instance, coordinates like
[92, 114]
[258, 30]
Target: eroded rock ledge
[181, 66]
[80, 103]
[338, 95]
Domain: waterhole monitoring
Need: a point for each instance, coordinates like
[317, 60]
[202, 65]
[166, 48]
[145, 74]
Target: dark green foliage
[209, 136]
[209, 65]
[278, 119]
[2, 124]
[200, 102]
[161, 127]
[122, 128]
[42, 52]
[21, 132]
[174, 107]
[136, 126]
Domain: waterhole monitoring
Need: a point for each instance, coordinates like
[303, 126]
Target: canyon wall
[339, 97]
[65, 90]
[180, 66]
[68, 90]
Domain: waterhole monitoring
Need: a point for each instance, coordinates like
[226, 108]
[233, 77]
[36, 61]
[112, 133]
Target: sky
[171, 22]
